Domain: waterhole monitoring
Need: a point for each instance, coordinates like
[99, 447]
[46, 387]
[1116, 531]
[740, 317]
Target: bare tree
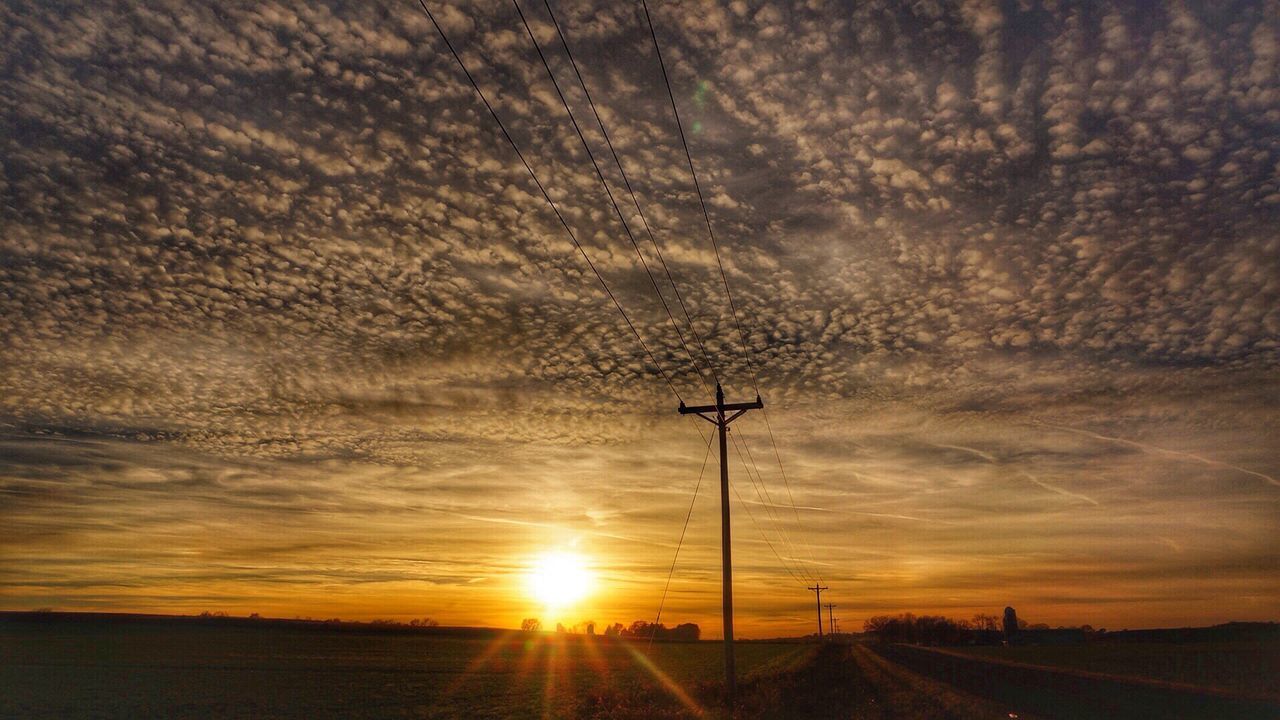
[983, 621]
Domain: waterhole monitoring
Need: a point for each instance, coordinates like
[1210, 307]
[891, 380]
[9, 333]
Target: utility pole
[818, 589]
[715, 414]
[831, 623]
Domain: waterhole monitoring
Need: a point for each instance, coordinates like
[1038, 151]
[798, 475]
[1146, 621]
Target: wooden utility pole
[831, 623]
[715, 414]
[818, 589]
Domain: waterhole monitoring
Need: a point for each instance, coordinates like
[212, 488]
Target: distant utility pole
[831, 623]
[818, 589]
[715, 414]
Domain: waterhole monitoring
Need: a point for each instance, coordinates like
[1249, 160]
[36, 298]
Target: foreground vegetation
[157, 668]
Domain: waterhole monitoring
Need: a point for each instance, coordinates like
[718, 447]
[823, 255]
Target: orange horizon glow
[762, 610]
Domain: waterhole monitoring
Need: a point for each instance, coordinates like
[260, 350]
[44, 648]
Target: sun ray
[671, 686]
[479, 661]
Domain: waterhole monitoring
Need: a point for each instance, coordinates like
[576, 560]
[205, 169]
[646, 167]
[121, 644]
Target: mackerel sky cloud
[288, 329]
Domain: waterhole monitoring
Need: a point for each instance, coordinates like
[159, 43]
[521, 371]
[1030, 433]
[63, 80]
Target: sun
[559, 579]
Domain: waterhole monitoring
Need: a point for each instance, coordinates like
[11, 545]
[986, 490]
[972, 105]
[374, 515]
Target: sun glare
[558, 579]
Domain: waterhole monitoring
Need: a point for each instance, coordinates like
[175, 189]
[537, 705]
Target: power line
[752, 515]
[742, 339]
[626, 228]
[680, 543]
[547, 197]
[791, 498]
[766, 505]
[657, 247]
[771, 508]
[765, 537]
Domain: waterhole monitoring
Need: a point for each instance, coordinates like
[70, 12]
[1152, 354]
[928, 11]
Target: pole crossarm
[727, 407]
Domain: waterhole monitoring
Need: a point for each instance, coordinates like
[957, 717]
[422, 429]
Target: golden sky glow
[288, 330]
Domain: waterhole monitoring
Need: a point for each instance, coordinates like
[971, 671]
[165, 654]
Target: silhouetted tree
[685, 631]
[926, 629]
[531, 624]
[982, 621]
[642, 630]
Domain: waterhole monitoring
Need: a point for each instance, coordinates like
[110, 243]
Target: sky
[288, 329]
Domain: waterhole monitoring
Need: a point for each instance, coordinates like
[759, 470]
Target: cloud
[274, 291]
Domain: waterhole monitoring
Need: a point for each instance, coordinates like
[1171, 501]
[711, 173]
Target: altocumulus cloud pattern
[275, 297]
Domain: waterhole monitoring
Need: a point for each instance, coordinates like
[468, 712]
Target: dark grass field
[147, 668]
[77, 667]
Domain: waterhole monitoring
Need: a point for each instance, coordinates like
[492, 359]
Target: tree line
[638, 630]
[939, 630]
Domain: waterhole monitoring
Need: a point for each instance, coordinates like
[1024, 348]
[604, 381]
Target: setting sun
[558, 579]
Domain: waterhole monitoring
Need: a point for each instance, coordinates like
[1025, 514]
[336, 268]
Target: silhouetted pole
[722, 424]
[831, 623]
[818, 589]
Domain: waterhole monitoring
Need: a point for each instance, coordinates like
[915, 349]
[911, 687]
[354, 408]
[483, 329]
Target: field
[1070, 693]
[114, 669]
[1243, 666]
[82, 668]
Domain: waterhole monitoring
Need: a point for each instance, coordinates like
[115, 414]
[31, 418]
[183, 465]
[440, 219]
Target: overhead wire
[791, 498]
[767, 507]
[751, 516]
[772, 508]
[657, 247]
[698, 187]
[680, 543]
[547, 197]
[613, 201]
[600, 175]
[742, 338]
